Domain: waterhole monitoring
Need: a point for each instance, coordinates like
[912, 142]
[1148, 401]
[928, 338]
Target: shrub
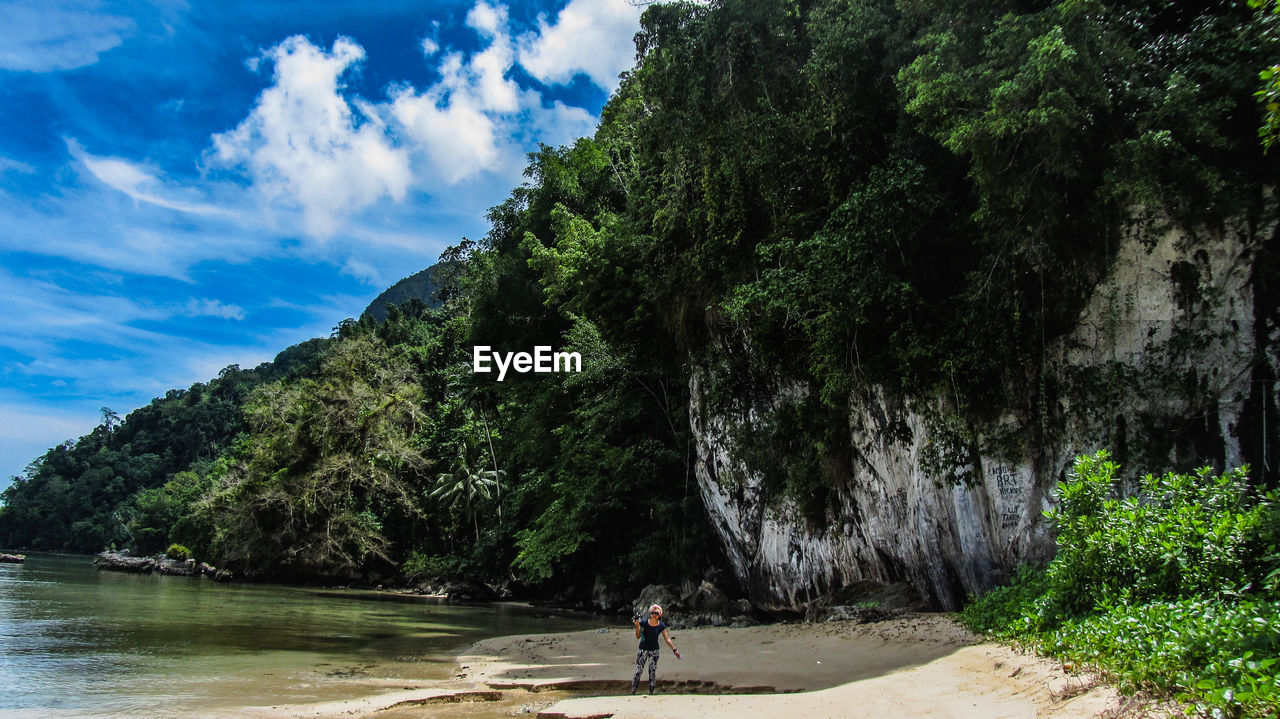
[421, 566]
[178, 552]
[1212, 653]
[1173, 589]
[1009, 610]
[1181, 535]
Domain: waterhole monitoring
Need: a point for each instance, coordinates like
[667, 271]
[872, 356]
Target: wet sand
[922, 665]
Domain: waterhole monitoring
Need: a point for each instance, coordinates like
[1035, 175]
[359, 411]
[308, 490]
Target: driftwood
[13, 558]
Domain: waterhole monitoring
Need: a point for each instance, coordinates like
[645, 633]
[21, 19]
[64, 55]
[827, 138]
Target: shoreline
[915, 665]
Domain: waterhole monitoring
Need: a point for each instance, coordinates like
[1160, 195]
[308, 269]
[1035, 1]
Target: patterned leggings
[652, 656]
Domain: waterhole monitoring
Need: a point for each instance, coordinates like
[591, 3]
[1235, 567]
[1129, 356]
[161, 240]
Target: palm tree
[462, 385]
[467, 484]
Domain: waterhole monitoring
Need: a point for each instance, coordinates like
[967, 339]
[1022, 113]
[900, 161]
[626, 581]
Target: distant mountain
[421, 286]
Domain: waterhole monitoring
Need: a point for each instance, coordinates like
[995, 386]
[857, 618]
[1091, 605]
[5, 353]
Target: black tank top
[649, 634]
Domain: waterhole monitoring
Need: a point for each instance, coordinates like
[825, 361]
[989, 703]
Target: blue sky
[188, 186]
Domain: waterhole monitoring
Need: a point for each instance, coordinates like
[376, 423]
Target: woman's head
[655, 610]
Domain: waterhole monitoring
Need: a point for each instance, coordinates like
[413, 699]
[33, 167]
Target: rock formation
[121, 562]
[1172, 364]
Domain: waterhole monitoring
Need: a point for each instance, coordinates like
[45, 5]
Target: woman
[648, 632]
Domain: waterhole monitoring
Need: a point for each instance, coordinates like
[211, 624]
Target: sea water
[75, 641]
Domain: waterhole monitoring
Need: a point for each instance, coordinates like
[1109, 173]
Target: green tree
[467, 485]
[327, 463]
[1269, 93]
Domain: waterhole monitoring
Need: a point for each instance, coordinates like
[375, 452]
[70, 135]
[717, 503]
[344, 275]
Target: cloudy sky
[188, 186]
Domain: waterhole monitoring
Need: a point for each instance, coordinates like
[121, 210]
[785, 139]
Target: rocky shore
[13, 558]
[123, 562]
[705, 604]
[691, 604]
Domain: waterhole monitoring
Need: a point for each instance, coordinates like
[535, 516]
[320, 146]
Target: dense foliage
[326, 463]
[1269, 93]
[1175, 588]
[832, 194]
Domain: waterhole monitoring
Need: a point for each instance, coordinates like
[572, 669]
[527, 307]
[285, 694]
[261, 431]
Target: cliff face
[1172, 364]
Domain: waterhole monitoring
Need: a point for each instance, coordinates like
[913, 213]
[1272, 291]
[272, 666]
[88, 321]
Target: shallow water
[78, 642]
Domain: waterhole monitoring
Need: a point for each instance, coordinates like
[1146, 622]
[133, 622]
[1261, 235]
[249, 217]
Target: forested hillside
[132, 480]
[420, 286]
[840, 194]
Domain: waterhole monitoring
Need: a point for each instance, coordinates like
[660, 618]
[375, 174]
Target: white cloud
[8, 164]
[100, 226]
[363, 271]
[402, 242]
[488, 20]
[305, 146]
[309, 147]
[484, 76]
[459, 139]
[212, 308]
[458, 122]
[137, 183]
[39, 37]
[135, 250]
[314, 155]
[119, 174]
[559, 124]
[593, 37]
[41, 314]
[476, 119]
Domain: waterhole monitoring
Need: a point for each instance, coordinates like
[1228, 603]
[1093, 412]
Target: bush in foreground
[1175, 589]
[178, 552]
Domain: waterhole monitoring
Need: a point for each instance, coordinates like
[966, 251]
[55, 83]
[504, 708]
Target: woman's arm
[667, 637]
[637, 623]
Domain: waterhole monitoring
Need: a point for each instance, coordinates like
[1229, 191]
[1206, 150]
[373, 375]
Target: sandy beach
[921, 665]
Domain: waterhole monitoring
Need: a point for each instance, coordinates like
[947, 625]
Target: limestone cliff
[1172, 364]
